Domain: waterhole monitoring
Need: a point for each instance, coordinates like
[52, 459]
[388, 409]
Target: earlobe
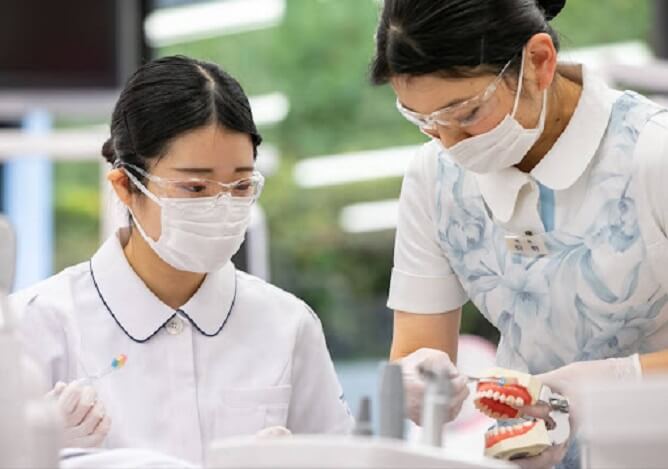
[120, 183]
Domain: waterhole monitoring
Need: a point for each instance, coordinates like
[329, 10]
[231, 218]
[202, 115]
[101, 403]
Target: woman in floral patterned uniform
[526, 201]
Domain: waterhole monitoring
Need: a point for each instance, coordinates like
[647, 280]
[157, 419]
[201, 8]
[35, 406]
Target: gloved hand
[565, 381]
[414, 385]
[273, 432]
[568, 379]
[84, 416]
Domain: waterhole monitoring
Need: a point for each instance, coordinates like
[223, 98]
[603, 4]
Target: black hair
[168, 97]
[456, 38]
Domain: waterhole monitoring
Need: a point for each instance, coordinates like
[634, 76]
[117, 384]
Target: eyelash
[195, 189]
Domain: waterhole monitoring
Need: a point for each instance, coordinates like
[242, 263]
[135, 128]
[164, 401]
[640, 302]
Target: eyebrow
[241, 169]
[451, 103]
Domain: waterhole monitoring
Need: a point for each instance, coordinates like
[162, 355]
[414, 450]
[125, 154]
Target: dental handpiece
[434, 406]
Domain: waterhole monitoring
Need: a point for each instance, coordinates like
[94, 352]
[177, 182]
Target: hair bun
[551, 8]
[108, 151]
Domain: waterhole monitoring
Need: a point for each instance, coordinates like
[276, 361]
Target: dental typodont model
[515, 439]
[500, 393]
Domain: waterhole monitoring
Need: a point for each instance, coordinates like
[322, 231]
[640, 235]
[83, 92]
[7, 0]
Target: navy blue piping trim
[141, 341]
[229, 313]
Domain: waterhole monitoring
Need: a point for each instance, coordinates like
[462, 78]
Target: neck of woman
[561, 103]
[173, 287]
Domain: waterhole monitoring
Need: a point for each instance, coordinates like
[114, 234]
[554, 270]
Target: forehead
[211, 146]
[428, 93]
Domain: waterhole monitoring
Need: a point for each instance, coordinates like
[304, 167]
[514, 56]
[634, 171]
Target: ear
[121, 184]
[541, 57]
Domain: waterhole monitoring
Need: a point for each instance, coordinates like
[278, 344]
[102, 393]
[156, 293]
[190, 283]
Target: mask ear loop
[519, 86]
[543, 113]
[143, 188]
[151, 196]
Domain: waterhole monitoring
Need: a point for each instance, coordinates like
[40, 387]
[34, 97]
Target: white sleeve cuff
[425, 295]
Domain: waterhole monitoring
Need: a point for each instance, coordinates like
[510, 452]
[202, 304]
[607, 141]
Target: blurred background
[335, 148]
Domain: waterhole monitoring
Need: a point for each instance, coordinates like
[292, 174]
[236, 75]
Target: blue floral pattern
[593, 295]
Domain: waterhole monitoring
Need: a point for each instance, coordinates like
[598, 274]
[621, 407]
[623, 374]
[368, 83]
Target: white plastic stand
[338, 452]
[625, 425]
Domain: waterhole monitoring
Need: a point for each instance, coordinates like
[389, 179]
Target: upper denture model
[500, 393]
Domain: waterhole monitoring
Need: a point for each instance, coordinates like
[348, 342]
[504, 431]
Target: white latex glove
[568, 379]
[414, 386]
[86, 421]
[273, 432]
[565, 381]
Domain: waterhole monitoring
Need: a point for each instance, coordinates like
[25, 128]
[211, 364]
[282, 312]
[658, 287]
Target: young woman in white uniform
[211, 352]
[529, 200]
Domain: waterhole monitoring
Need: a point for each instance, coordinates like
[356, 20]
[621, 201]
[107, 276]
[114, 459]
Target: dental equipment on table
[363, 450]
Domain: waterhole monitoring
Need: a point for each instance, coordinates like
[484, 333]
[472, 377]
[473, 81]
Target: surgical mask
[197, 235]
[503, 146]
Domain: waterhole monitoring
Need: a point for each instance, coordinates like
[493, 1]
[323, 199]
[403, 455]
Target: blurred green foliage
[319, 58]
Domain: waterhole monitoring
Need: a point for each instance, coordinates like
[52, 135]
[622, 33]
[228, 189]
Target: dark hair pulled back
[456, 38]
[168, 97]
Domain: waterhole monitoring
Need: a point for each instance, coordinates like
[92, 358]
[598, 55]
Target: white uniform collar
[140, 313]
[570, 155]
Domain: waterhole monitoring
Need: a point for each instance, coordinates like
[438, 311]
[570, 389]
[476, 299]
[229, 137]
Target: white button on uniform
[174, 326]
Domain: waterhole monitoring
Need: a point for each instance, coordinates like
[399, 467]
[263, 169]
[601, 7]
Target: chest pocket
[245, 411]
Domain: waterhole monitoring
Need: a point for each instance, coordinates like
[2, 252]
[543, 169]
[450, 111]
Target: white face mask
[197, 235]
[503, 146]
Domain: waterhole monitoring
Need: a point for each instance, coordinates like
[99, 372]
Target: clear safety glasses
[247, 189]
[461, 115]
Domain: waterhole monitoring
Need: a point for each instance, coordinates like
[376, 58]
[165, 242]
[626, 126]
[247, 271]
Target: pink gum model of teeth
[521, 440]
[501, 392]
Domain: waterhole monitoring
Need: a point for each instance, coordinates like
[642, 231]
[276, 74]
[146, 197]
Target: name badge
[529, 244]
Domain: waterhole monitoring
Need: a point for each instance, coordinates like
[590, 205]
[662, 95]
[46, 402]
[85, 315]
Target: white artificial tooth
[497, 395]
[503, 398]
[489, 393]
[504, 430]
[519, 402]
[510, 400]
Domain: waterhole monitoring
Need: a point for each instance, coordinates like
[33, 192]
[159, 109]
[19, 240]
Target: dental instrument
[434, 406]
[392, 403]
